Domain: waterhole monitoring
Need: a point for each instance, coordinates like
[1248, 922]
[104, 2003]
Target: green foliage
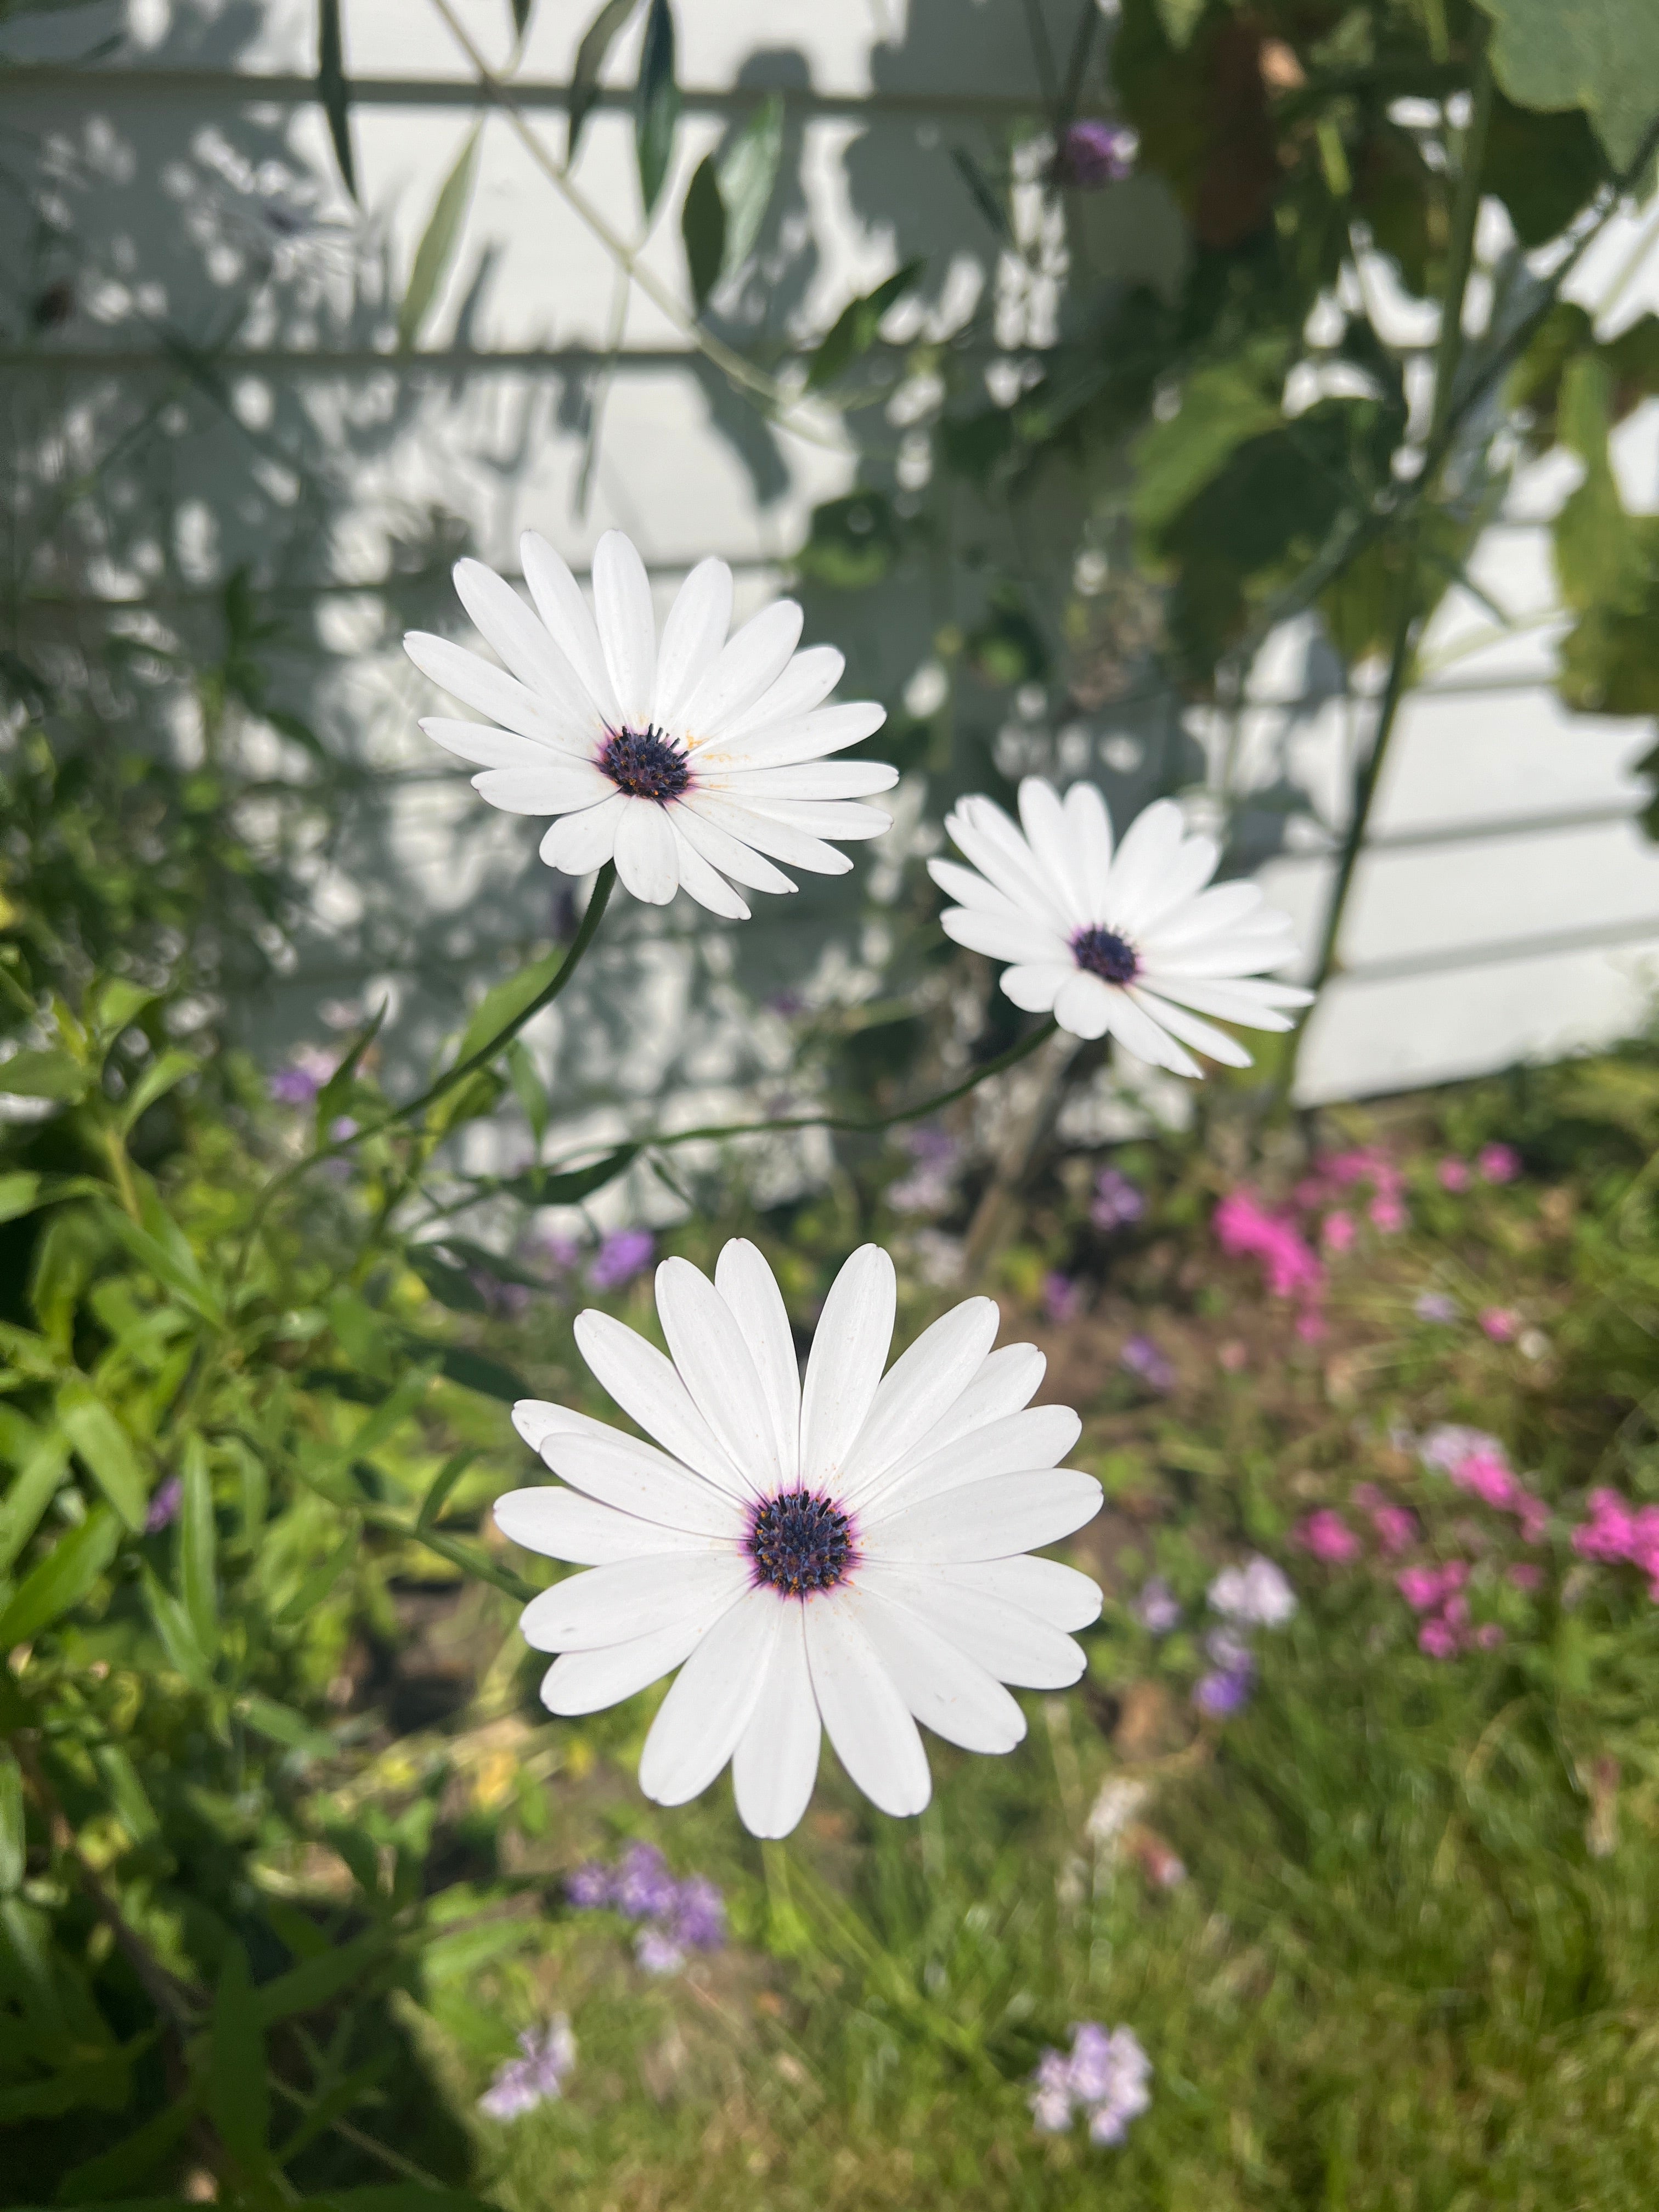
[438, 241]
[656, 103]
[1600, 56]
[596, 41]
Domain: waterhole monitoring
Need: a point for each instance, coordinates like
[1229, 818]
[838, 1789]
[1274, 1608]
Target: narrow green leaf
[656, 103]
[163, 1074]
[436, 249]
[62, 1579]
[104, 1448]
[318, 1981]
[198, 1578]
[522, 10]
[332, 91]
[133, 2159]
[115, 1004]
[983, 194]
[14, 1842]
[597, 42]
[748, 173]
[28, 1494]
[702, 227]
[500, 1005]
[442, 1483]
[1180, 19]
[529, 1090]
[19, 1193]
[319, 1581]
[178, 1269]
[281, 1725]
[126, 1792]
[334, 1094]
[474, 1371]
[238, 2095]
[546, 1186]
[173, 1626]
[50, 1074]
[854, 330]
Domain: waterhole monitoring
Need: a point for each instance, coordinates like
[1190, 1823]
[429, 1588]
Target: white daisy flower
[1123, 941]
[686, 760]
[846, 1555]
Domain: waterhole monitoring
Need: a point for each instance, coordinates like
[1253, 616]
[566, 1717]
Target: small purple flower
[1063, 1299]
[643, 1888]
[1256, 1594]
[1117, 1201]
[589, 1887]
[699, 1915]
[658, 1952]
[1227, 1649]
[1093, 154]
[1220, 1694]
[298, 1083]
[1143, 1359]
[522, 2083]
[164, 1506]
[1157, 1608]
[499, 1297]
[623, 1255]
[1106, 2075]
[1436, 1306]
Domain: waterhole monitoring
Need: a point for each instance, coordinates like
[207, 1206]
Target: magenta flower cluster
[676, 1916]
[1623, 1534]
[1105, 2076]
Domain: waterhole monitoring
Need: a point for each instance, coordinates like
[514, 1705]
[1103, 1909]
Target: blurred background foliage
[282, 1828]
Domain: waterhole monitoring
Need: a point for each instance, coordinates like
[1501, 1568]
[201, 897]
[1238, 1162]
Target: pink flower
[1501, 1323]
[1387, 1213]
[1328, 1537]
[1454, 1175]
[1396, 1529]
[1425, 1588]
[1336, 1232]
[1234, 1356]
[1499, 1163]
[1436, 1639]
[1524, 1577]
[1618, 1532]
[1488, 1478]
[1489, 1636]
[1312, 1327]
[1244, 1227]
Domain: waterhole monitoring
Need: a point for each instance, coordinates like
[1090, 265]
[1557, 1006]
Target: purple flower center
[645, 764]
[800, 1542]
[1102, 952]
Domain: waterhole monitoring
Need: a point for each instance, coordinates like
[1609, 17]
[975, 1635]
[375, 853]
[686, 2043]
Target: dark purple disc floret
[645, 764]
[800, 1542]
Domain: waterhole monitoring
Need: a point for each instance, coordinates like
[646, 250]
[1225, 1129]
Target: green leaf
[474, 1371]
[133, 2159]
[162, 1075]
[983, 194]
[334, 1094]
[62, 1579]
[319, 1581]
[568, 1187]
[439, 239]
[521, 14]
[238, 2095]
[1221, 409]
[198, 1578]
[19, 1192]
[1180, 19]
[177, 1635]
[854, 330]
[50, 1074]
[29, 1493]
[114, 1003]
[331, 90]
[1599, 55]
[168, 1258]
[748, 174]
[126, 1792]
[442, 1483]
[14, 1842]
[281, 1725]
[318, 1981]
[703, 226]
[501, 1006]
[656, 103]
[597, 42]
[529, 1090]
[104, 1448]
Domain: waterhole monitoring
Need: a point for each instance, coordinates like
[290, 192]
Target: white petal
[709, 1705]
[1144, 858]
[752, 1298]
[809, 679]
[1020, 1444]
[829, 730]
[748, 665]
[1083, 1004]
[1006, 1383]
[709, 1350]
[692, 638]
[552, 788]
[776, 1760]
[1035, 988]
[849, 1349]
[987, 1520]
[483, 743]
[947, 1691]
[701, 881]
[973, 891]
[579, 843]
[1007, 1641]
[1202, 1037]
[818, 779]
[1026, 940]
[919, 1387]
[526, 649]
[1046, 1589]
[1186, 876]
[650, 1391]
[635, 1478]
[725, 851]
[560, 604]
[1245, 999]
[613, 1605]
[1135, 1030]
[819, 817]
[762, 833]
[627, 625]
[563, 1524]
[587, 1681]
[647, 859]
[1240, 953]
[986, 836]
[1216, 912]
[488, 690]
[1049, 833]
[1091, 824]
[867, 1721]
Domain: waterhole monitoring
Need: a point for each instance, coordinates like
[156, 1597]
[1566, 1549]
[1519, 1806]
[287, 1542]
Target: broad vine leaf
[436, 249]
[854, 330]
[702, 227]
[1599, 55]
[48, 1074]
[1220, 410]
